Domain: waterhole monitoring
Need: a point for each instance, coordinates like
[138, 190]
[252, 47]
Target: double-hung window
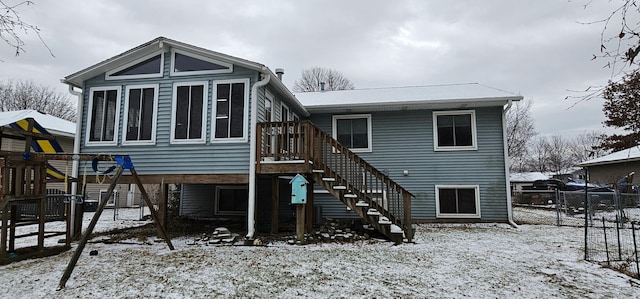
[454, 130]
[140, 115]
[104, 108]
[353, 131]
[189, 112]
[457, 201]
[231, 110]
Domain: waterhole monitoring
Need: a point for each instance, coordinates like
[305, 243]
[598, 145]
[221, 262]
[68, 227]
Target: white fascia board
[415, 105]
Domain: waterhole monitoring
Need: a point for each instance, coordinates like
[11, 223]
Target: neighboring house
[519, 179]
[611, 168]
[233, 135]
[63, 130]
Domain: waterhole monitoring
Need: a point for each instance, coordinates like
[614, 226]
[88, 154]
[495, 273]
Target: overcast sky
[537, 49]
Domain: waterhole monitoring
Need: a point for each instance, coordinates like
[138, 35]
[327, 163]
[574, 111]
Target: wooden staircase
[301, 147]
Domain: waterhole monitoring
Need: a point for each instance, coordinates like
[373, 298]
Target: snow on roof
[625, 155]
[525, 177]
[408, 97]
[55, 125]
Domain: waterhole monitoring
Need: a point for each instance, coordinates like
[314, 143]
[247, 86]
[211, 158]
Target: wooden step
[373, 212]
[362, 204]
[350, 195]
[329, 179]
[318, 171]
[339, 187]
[384, 220]
[394, 229]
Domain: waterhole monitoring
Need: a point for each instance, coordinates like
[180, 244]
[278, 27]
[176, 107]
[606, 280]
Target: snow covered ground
[447, 261]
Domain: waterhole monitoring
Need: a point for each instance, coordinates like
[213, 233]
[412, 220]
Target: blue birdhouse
[299, 189]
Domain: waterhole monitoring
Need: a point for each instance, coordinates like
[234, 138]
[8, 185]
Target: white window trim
[112, 201]
[109, 75]
[449, 215]
[217, 203]
[286, 117]
[269, 97]
[116, 125]
[354, 116]
[245, 123]
[153, 121]
[174, 101]
[191, 73]
[474, 135]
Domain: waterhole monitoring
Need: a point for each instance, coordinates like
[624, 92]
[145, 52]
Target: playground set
[24, 200]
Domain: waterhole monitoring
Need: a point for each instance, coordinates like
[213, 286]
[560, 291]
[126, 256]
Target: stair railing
[304, 142]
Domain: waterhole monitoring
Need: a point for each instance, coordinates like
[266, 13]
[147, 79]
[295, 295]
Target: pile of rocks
[334, 231]
[219, 236]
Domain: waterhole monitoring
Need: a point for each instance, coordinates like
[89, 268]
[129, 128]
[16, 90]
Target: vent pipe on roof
[279, 73]
[322, 86]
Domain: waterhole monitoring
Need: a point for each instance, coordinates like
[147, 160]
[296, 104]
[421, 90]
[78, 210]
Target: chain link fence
[611, 222]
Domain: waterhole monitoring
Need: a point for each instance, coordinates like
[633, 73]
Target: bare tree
[520, 132]
[586, 146]
[23, 95]
[559, 158]
[537, 160]
[312, 79]
[13, 27]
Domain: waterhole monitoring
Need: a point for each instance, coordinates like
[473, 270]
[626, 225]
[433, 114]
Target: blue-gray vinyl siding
[166, 158]
[403, 140]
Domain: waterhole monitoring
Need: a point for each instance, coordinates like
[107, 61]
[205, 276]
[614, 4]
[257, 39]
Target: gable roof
[448, 96]
[76, 79]
[55, 126]
[626, 155]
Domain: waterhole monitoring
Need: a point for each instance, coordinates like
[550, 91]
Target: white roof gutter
[76, 150]
[251, 210]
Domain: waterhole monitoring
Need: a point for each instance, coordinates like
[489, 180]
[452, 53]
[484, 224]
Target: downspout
[76, 150]
[251, 210]
[506, 164]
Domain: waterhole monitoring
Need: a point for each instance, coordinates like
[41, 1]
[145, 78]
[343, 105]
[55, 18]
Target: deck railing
[303, 142]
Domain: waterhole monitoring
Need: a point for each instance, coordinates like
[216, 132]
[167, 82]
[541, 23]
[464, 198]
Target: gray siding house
[230, 132]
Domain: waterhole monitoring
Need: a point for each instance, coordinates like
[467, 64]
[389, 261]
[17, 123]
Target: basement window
[457, 201]
[232, 200]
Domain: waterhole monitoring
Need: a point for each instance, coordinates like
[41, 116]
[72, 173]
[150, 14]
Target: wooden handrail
[303, 141]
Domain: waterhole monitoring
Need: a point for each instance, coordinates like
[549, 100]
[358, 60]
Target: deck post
[309, 208]
[275, 204]
[408, 229]
[300, 211]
